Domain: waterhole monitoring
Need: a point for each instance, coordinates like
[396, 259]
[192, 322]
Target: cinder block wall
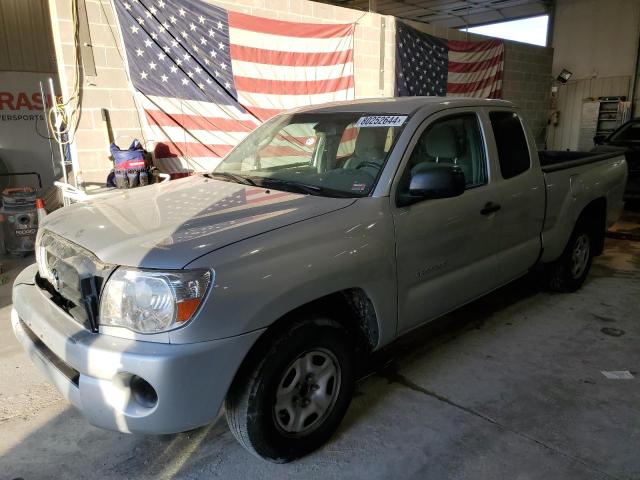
[527, 82]
[109, 89]
[523, 81]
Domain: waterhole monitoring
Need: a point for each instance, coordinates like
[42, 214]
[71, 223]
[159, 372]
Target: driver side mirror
[439, 181]
[598, 139]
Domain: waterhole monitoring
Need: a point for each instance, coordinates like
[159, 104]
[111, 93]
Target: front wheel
[568, 273]
[292, 393]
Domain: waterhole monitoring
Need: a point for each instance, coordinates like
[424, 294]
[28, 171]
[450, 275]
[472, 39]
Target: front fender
[262, 278]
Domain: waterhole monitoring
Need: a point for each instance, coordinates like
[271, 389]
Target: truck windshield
[628, 133]
[328, 154]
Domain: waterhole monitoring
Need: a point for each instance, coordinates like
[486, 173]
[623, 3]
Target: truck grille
[72, 276]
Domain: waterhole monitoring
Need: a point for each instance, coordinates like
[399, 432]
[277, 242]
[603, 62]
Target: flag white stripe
[281, 72]
[484, 92]
[179, 134]
[471, 77]
[247, 38]
[285, 102]
[174, 106]
[474, 57]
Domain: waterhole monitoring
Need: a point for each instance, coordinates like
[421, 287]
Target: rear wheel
[292, 393]
[569, 272]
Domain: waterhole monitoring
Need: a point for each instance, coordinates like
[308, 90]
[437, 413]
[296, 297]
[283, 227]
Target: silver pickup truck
[323, 236]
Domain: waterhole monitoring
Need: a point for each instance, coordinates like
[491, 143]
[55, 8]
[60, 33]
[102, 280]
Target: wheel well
[594, 215]
[351, 307]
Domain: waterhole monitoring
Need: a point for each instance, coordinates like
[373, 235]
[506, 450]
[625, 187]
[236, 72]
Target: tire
[568, 273]
[268, 414]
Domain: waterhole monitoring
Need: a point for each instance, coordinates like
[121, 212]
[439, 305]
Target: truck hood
[170, 224]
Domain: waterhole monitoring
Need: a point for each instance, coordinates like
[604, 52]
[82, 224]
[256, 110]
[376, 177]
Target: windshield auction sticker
[381, 121]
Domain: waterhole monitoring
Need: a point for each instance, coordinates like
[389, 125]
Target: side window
[455, 140]
[513, 152]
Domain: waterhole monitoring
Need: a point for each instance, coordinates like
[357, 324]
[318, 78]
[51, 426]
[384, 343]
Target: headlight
[148, 301]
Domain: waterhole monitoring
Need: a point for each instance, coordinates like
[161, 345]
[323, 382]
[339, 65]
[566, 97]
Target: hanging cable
[67, 124]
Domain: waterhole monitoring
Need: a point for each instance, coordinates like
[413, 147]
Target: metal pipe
[57, 125]
[44, 111]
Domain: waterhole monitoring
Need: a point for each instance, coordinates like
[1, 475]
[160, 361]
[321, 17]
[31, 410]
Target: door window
[455, 140]
[513, 152]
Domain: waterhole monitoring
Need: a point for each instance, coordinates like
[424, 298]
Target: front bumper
[93, 371]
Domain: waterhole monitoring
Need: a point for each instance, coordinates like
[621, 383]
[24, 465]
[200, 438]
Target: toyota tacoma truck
[324, 235]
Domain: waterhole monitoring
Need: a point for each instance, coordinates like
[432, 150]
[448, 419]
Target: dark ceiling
[452, 13]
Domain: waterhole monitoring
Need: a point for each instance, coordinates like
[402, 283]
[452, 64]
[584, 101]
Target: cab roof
[401, 105]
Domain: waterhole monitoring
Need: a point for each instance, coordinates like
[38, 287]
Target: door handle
[490, 208]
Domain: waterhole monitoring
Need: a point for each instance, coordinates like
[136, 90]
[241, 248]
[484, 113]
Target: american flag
[205, 76]
[428, 65]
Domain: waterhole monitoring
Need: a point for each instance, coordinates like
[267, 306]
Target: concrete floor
[511, 388]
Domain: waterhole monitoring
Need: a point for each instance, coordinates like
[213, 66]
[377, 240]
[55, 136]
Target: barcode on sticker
[381, 121]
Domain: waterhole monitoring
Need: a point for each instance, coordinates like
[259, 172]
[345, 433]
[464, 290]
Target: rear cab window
[511, 143]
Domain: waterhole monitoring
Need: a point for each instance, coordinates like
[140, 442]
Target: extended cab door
[519, 184]
[445, 248]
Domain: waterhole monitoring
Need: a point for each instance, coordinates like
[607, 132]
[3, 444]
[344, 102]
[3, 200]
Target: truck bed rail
[554, 160]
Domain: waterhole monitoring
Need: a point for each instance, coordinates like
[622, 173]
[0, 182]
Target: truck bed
[554, 160]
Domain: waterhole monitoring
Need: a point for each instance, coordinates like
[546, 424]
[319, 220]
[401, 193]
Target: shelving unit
[601, 117]
[613, 112]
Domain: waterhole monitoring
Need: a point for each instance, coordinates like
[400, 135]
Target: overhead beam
[454, 13]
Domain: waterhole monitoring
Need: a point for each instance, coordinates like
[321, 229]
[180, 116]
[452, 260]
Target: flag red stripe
[288, 29]
[191, 149]
[283, 151]
[466, 67]
[252, 191]
[269, 196]
[473, 86]
[349, 134]
[263, 114]
[292, 87]
[300, 141]
[290, 59]
[463, 46]
[198, 122]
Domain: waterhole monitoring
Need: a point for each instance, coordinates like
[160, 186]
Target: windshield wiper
[233, 177]
[290, 185]
[299, 187]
